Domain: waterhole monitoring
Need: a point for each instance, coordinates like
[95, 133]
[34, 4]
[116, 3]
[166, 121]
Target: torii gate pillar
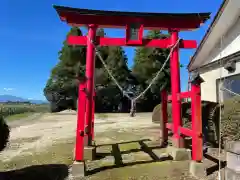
[90, 67]
[177, 139]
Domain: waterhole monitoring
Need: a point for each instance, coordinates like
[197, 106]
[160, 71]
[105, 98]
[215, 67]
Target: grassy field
[21, 110]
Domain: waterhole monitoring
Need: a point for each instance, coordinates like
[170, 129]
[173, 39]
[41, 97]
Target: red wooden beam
[169, 126]
[104, 41]
[169, 98]
[182, 95]
[79, 17]
[186, 94]
[186, 131]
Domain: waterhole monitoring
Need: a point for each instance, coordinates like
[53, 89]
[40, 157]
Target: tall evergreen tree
[71, 63]
[147, 62]
[117, 64]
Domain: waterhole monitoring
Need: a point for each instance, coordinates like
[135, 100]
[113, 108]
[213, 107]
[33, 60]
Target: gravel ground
[49, 128]
[45, 130]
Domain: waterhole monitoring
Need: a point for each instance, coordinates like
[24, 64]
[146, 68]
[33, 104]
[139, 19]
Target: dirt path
[24, 121]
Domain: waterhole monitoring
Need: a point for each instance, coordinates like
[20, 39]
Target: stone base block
[231, 174]
[179, 154]
[93, 143]
[197, 169]
[153, 143]
[90, 153]
[78, 170]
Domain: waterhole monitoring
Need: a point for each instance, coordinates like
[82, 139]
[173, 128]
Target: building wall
[209, 87]
[228, 19]
[229, 43]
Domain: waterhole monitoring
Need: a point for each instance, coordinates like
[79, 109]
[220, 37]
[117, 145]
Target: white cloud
[8, 89]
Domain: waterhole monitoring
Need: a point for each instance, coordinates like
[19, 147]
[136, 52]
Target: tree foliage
[147, 62]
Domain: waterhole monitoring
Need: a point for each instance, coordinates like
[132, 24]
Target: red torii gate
[136, 23]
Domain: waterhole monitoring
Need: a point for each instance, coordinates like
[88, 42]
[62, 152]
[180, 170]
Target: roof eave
[204, 39]
[118, 18]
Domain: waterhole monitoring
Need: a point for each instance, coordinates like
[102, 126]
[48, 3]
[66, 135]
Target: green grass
[102, 116]
[21, 108]
[19, 116]
[129, 146]
[59, 153]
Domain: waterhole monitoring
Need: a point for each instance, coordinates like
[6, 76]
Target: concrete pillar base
[78, 170]
[231, 174]
[197, 169]
[179, 154]
[90, 153]
[178, 143]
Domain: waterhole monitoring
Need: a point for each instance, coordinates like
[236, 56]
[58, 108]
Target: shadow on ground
[38, 172]
[212, 169]
[118, 160]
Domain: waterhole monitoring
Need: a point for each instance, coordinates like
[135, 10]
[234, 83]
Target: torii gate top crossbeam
[117, 19]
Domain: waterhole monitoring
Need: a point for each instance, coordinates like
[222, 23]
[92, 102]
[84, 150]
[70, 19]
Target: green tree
[117, 64]
[147, 62]
[71, 64]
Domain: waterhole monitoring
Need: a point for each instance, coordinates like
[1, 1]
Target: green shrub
[4, 133]
[230, 119]
[157, 113]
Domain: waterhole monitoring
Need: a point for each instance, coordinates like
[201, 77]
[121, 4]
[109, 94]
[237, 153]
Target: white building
[218, 55]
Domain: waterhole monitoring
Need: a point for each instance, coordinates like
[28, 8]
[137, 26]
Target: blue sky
[32, 34]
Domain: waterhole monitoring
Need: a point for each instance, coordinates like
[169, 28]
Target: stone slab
[78, 170]
[197, 169]
[90, 153]
[233, 146]
[179, 154]
[231, 175]
[233, 161]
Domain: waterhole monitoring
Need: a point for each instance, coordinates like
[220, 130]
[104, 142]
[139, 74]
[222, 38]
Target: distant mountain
[6, 98]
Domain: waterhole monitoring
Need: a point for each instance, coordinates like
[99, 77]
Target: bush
[4, 133]
[157, 113]
[208, 116]
[230, 120]
[230, 115]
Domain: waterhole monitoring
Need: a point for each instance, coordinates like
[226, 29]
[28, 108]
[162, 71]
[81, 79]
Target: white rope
[158, 73]
[133, 100]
